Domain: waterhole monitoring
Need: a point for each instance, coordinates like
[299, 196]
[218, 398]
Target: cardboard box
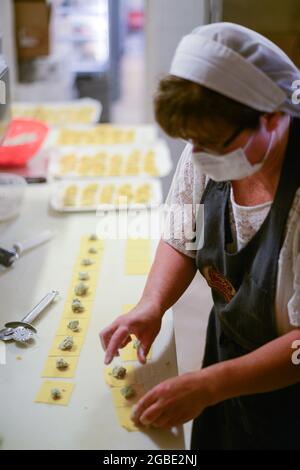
[32, 21]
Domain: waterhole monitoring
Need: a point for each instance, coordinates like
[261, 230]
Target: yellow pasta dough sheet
[120, 401]
[75, 351]
[96, 257]
[92, 248]
[63, 328]
[89, 296]
[129, 353]
[50, 369]
[91, 284]
[86, 242]
[87, 305]
[138, 245]
[88, 247]
[137, 256]
[138, 267]
[127, 307]
[94, 266]
[92, 277]
[44, 394]
[113, 382]
[124, 419]
[139, 248]
[80, 266]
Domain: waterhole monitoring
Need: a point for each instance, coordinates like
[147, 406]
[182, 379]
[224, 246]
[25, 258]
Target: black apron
[243, 316]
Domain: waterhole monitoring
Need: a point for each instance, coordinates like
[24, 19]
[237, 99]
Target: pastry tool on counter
[9, 257]
[22, 331]
[35, 179]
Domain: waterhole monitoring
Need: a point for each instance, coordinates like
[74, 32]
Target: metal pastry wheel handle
[23, 330]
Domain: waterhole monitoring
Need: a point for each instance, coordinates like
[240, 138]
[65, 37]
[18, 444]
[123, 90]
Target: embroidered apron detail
[219, 283]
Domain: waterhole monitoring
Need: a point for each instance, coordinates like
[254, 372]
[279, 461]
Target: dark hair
[180, 104]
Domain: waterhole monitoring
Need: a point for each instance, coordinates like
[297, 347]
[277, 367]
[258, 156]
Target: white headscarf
[238, 63]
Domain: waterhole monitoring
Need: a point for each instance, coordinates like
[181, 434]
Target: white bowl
[12, 189]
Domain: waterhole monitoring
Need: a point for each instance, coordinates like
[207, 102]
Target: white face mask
[231, 166]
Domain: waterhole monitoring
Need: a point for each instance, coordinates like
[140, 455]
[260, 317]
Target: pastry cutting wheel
[22, 334]
[23, 331]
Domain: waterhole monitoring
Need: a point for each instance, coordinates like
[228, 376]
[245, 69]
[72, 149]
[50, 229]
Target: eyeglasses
[223, 146]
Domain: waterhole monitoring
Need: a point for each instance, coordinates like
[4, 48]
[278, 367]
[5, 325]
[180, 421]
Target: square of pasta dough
[68, 312]
[89, 268]
[82, 327]
[86, 242]
[44, 394]
[75, 351]
[50, 369]
[120, 401]
[85, 253]
[137, 267]
[114, 382]
[89, 296]
[91, 281]
[85, 246]
[140, 246]
[123, 416]
[137, 256]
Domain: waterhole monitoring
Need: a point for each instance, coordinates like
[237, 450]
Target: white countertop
[89, 421]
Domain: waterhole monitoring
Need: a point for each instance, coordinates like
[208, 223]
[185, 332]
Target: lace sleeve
[180, 205]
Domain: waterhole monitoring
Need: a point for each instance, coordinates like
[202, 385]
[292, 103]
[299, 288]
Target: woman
[230, 95]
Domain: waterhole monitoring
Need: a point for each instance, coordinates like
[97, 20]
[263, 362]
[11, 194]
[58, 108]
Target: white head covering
[238, 63]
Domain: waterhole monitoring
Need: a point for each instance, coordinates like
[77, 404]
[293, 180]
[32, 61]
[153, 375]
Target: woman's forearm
[170, 275]
[266, 369]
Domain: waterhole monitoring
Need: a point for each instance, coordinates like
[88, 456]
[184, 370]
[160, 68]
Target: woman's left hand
[173, 402]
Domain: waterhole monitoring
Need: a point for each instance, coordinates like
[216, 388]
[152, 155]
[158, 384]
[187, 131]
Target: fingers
[169, 421]
[106, 334]
[141, 354]
[162, 421]
[116, 341]
[117, 336]
[156, 417]
[143, 349]
[127, 340]
[143, 404]
[151, 415]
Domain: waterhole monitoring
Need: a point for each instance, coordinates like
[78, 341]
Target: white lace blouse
[187, 188]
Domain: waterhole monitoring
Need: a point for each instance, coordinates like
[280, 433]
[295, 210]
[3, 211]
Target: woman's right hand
[144, 321]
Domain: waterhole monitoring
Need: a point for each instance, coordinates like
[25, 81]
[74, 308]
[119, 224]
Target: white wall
[7, 29]
[166, 22]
